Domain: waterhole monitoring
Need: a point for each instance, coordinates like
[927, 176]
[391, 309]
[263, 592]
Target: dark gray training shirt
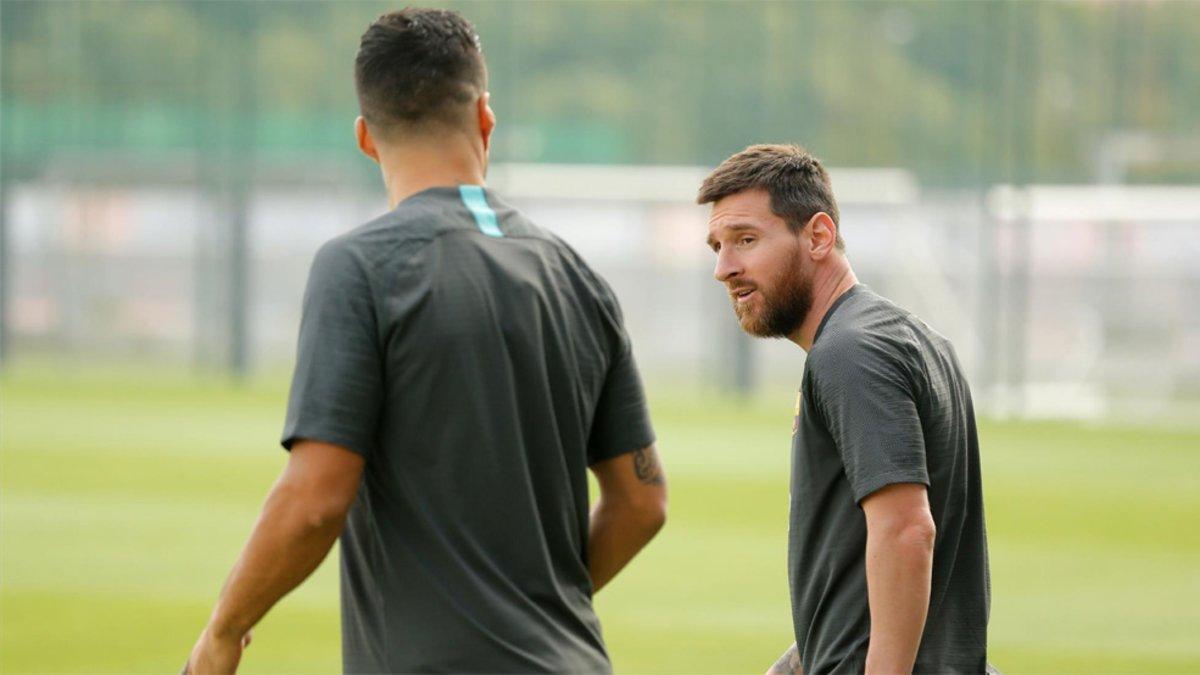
[479, 366]
[883, 401]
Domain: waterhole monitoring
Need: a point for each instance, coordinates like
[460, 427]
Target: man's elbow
[917, 534]
[656, 512]
[912, 531]
[311, 511]
[648, 512]
[325, 517]
[922, 534]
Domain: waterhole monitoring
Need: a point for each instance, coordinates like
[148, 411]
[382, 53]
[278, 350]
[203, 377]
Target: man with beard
[459, 371]
[887, 553]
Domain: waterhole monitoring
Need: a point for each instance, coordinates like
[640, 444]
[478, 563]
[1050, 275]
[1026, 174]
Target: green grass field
[125, 496]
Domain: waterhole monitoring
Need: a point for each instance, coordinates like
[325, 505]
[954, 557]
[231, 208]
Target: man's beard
[784, 304]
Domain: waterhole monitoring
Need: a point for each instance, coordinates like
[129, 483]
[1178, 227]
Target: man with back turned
[459, 371]
[887, 553]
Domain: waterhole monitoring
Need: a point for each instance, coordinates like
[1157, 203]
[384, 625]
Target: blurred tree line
[963, 93]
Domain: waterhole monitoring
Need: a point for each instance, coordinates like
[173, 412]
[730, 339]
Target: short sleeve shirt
[883, 401]
[479, 365]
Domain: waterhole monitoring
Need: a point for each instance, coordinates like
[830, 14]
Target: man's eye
[745, 240]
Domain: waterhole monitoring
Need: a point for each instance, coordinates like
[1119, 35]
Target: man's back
[494, 369]
[884, 401]
[459, 372]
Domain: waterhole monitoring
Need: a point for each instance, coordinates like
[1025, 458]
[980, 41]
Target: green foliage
[126, 495]
[964, 93]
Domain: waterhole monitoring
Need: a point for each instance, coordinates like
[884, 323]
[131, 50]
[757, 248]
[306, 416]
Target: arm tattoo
[645, 465]
[788, 664]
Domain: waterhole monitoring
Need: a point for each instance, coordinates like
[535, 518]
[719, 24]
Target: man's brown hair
[417, 67]
[795, 180]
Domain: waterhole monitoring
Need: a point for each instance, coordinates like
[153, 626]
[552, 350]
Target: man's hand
[215, 656]
[788, 664]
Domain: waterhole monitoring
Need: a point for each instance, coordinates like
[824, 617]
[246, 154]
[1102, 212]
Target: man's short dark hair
[418, 67]
[795, 180]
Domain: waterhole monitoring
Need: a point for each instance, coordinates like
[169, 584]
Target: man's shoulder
[428, 215]
[865, 330]
[847, 330]
[392, 236]
[840, 346]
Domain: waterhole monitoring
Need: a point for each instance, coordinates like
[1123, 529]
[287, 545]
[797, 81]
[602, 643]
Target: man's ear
[822, 234]
[487, 120]
[365, 142]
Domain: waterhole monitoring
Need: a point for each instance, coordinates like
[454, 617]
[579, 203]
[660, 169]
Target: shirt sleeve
[337, 388]
[870, 408]
[622, 422]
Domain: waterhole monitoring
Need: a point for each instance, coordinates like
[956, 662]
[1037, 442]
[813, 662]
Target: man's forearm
[899, 566]
[616, 533]
[290, 539]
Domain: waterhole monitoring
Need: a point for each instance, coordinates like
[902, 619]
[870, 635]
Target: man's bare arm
[900, 541]
[302, 517]
[631, 509]
[788, 664]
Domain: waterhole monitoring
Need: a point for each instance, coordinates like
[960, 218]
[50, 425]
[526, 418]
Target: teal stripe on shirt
[475, 200]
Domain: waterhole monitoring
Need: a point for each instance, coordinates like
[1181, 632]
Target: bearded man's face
[760, 262]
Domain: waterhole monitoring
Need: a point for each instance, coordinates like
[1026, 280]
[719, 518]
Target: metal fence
[1062, 301]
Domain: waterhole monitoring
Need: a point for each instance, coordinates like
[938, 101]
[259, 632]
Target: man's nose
[727, 267]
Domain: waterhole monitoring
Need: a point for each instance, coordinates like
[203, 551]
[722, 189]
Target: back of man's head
[419, 70]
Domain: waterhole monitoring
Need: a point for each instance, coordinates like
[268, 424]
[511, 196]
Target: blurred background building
[1024, 176]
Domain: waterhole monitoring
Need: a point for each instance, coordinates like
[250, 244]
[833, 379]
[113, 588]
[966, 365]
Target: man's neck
[827, 288]
[446, 162]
